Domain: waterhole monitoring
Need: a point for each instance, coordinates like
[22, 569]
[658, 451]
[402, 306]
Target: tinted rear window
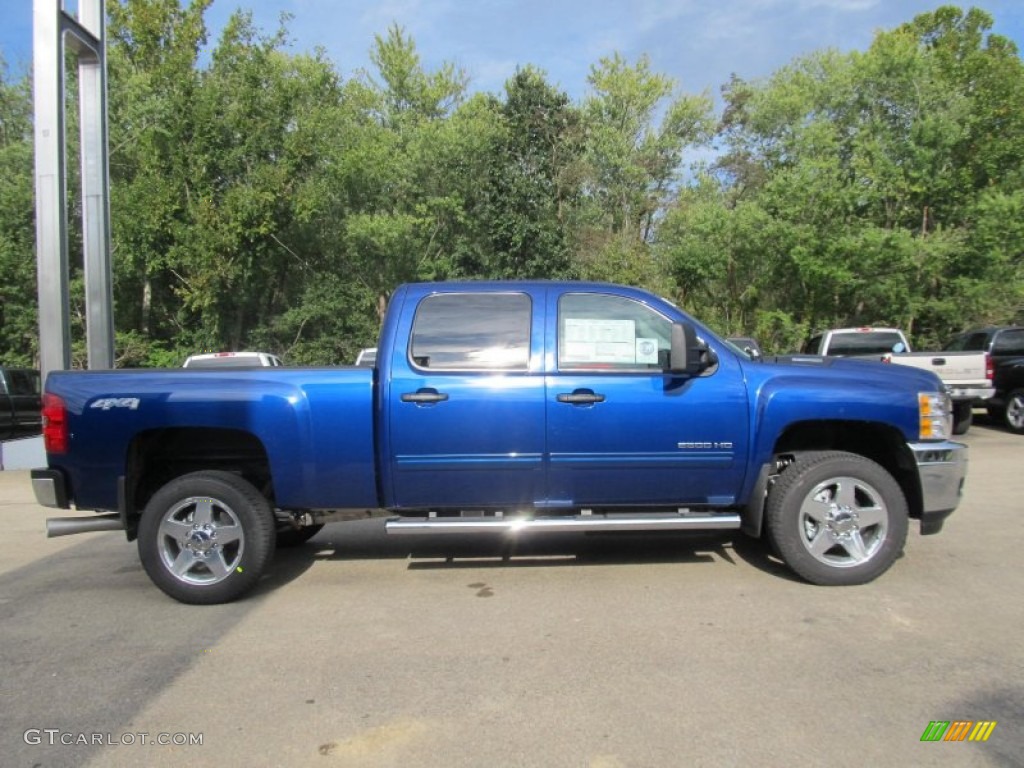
[226, 362]
[1009, 343]
[465, 331]
[863, 343]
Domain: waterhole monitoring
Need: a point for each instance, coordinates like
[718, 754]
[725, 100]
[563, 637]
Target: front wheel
[963, 415]
[1014, 413]
[837, 518]
[206, 537]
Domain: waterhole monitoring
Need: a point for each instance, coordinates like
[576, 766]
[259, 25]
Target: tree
[633, 164]
[531, 182]
[19, 343]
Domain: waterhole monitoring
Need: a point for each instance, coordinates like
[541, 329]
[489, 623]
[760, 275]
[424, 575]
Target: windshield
[740, 350]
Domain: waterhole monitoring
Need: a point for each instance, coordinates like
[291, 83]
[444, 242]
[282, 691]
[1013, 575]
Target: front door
[622, 431]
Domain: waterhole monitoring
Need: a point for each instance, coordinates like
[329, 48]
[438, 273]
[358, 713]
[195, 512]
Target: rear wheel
[1014, 413]
[206, 537]
[837, 518]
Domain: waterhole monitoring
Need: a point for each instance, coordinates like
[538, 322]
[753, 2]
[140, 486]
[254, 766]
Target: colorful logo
[958, 730]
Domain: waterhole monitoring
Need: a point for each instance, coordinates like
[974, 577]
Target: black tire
[836, 519]
[206, 537]
[295, 537]
[963, 415]
[1013, 412]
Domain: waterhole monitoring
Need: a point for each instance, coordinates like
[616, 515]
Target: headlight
[935, 412]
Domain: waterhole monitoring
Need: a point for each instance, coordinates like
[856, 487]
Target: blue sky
[697, 42]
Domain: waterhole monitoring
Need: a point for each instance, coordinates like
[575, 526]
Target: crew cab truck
[967, 375]
[512, 407]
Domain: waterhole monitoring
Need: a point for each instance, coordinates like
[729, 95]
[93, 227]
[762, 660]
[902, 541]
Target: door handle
[938, 361]
[580, 397]
[424, 396]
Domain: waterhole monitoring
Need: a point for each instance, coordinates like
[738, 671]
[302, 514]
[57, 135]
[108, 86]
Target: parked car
[1004, 346]
[367, 358]
[1010, 386]
[966, 373]
[233, 360]
[747, 344]
[20, 403]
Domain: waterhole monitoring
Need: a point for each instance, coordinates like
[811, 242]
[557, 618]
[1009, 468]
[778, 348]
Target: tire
[1013, 414]
[963, 415]
[837, 519]
[206, 537]
[295, 537]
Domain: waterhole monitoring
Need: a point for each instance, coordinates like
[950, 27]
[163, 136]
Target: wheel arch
[158, 456]
[881, 443]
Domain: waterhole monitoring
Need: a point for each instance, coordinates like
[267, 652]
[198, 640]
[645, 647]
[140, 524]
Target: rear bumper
[970, 392]
[942, 468]
[50, 488]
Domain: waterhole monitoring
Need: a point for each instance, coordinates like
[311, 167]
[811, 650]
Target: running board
[592, 522]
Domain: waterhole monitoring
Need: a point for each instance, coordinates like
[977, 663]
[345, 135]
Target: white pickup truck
[967, 375]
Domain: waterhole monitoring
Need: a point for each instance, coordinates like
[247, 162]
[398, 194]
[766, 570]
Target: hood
[870, 372]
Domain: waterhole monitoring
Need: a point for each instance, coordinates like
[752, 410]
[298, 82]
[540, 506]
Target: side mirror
[687, 354]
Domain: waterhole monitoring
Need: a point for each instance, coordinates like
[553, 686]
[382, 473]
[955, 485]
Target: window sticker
[590, 340]
[647, 351]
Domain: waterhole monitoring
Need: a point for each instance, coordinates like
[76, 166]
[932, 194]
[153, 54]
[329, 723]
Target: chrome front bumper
[942, 468]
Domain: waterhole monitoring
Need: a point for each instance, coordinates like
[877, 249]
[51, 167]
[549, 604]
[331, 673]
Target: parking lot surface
[366, 650]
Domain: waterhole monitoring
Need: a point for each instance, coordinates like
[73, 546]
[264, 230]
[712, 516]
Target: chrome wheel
[200, 540]
[1015, 410]
[843, 522]
[206, 537]
[836, 518]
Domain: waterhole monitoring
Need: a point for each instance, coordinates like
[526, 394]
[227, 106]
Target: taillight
[55, 424]
[990, 369]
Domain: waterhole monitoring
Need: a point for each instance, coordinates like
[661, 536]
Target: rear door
[466, 402]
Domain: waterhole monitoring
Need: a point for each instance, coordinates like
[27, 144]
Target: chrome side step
[566, 524]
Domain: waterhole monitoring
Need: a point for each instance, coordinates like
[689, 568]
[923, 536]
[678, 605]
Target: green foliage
[18, 340]
[886, 178]
[260, 200]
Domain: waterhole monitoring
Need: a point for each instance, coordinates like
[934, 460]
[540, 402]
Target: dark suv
[1005, 347]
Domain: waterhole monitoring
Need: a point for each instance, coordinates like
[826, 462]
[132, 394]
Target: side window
[597, 331]
[24, 383]
[1009, 343]
[974, 342]
[812, 346]
[472, 332]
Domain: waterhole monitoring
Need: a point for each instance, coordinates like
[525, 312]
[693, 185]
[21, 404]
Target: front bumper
[941, 468]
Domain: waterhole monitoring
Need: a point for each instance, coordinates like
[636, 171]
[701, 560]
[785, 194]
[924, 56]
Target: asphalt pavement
[603, 651]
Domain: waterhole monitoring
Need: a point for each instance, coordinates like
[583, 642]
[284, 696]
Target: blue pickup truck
[510, 407]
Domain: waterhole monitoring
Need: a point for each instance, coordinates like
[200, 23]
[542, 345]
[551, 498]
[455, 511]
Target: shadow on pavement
[87, 641]
[366, 539]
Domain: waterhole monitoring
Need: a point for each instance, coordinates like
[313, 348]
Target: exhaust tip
[68, 526]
